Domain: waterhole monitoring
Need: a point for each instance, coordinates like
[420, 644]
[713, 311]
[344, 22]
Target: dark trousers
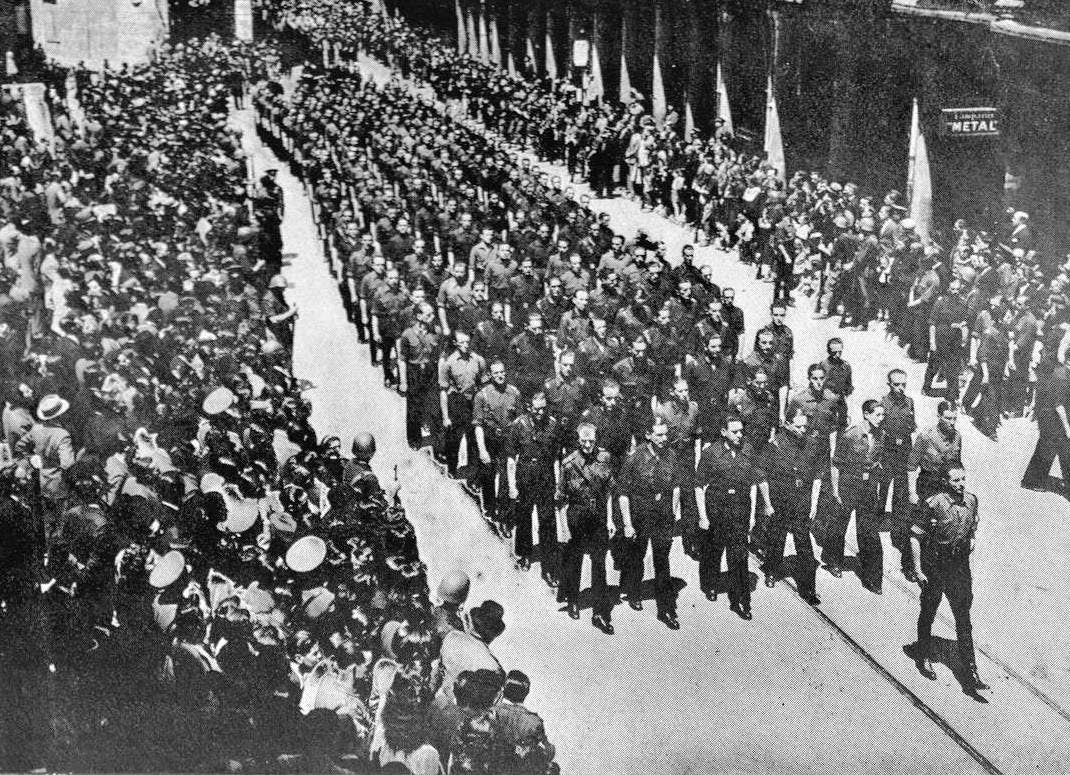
[1051, 444]
[539, 499]
[387, 356]
[791, 515]
[460, 409]
[902, 514]
[634, 554]
[491, 475]
[588, 537]
[949, 365]
[948, 573]
[421, 406]
[726, 538]
[859, 498]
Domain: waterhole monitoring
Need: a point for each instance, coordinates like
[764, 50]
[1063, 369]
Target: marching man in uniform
[943, 540]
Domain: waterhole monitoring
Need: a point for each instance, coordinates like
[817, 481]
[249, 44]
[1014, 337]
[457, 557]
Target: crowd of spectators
[192, 579]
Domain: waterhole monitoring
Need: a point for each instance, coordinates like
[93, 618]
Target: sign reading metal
[970, 122]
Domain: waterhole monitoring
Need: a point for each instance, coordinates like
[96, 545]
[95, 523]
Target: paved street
[720, 693]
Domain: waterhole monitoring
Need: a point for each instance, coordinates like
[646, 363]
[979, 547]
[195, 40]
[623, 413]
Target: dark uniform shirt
[419, 349]
[495, 409]
[935, 452]
[858, 451]
[728, 474]
[947, 519]
[586, 482]
[614, 432]
[899, 425]
[389, 307]
[838, 377]
[536, 446]
[790, 466]
[648, 478]
[566, 399]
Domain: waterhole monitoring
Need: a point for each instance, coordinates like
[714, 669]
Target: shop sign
[970, 122]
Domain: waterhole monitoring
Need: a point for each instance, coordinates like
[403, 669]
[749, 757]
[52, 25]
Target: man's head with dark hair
[517, 686]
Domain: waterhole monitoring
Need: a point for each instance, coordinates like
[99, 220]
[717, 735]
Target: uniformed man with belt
[533, 447]
[567, 393]
[388, 305]
[495, 407]
[856, 475]
[648, 492]
[460, 375]
[726, 472]
[794, 488]
[935, 451]
[586, 483]
[680, 414]
[370, 285]
[899, 426]
[943, 539]
[417, 377]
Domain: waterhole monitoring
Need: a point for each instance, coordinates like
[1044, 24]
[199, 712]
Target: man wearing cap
[452, 594]
[943, 539]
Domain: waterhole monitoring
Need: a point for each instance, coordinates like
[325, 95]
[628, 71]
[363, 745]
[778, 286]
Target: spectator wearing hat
[47, 448]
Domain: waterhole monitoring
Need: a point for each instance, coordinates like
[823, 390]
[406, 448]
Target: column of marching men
[607, 396]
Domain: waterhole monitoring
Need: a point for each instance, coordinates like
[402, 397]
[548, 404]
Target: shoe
[471, 489]
[770, 581]
[872, 588]
[573, 610]
[670, 620]
[635, 604]
[549, 579]
[835, 570]
[741, 612]
[975, 681]
[603, 624]
[523, 563]
[910, 576]
[925, 667]
[812, 599]
[711, 595]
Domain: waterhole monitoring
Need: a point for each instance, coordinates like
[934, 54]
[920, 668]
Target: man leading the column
[943, 539]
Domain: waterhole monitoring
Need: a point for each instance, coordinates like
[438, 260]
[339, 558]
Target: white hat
[51, 407]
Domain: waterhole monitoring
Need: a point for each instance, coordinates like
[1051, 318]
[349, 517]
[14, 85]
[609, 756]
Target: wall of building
[116, 31]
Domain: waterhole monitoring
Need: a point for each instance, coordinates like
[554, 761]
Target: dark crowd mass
[609, 396]
[191, 579]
